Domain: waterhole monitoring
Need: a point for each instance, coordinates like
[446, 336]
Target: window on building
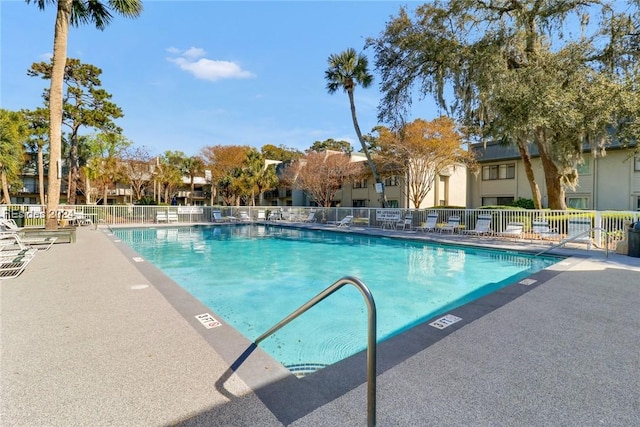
[636, 164]
[493, 172]
[392, 181]
[362, 183]
[497, 201]
[392, 204]
[578, 202]
[585, 167]
[360, 203]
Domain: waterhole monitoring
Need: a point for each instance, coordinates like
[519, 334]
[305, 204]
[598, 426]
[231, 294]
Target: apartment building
[611, 182]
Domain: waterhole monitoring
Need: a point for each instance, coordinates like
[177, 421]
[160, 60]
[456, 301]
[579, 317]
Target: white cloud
[46, 56]
[194, 52]
[192, 60]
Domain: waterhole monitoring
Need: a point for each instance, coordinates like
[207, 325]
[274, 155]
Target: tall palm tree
[346, 70]
[71, 12]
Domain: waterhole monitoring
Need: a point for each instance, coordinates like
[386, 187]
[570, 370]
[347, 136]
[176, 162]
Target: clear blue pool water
[254, 275]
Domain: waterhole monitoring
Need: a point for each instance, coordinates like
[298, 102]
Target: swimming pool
[254, 275]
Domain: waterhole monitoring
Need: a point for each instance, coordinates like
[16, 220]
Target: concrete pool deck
[90, 336]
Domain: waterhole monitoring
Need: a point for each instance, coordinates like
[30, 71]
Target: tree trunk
[73, 168]
[192, 190]
[526, 159]
[87, 186]
[41, 174]
[105, 192]
[552, 177]
[59, 61]
[363, 143]
[6, 198]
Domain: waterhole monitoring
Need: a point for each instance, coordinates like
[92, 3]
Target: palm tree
[14, 129]
[71, 12]
[346, 70]
[193, 166]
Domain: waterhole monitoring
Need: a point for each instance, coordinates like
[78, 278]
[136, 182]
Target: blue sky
[188, 74]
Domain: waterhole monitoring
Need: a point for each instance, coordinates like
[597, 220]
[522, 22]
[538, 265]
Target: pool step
[302, 369]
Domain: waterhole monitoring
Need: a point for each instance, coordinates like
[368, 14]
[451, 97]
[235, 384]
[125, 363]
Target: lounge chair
[161, 216]
[311, 217]
[579, 231]
[14, 256]
[483, 226]
[541, 229]
[430, 225]
[261, 216]
[12, 266]
[344, 222]
[452, 224]
[216, 216]
[8, 224]
[39, 242]
[12, 245]
[514, 229]
[243, 216]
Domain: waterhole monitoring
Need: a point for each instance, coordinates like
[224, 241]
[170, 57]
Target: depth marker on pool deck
[138, 259]
[208, 320]
[445, 321]
[527, 282]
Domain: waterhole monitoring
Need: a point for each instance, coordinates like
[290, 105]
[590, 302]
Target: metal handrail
[572, 238]
[371, 341]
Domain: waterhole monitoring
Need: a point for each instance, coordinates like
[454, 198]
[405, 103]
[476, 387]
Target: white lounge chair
[431, 223]
[345, 222]
[513, 229]
[14, 256]
[8, 224]
[262, 216]
[541, 229]
[579, 231]
[12, 266]
[10, 229]
[12, 245]
[161, 216]
[311, 217]
[243, 216]
[452, 224]
[483, 226]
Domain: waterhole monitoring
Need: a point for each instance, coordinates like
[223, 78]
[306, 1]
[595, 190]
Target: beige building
[611, 182]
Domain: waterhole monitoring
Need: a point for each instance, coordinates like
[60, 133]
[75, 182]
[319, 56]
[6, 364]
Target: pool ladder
[371, 338]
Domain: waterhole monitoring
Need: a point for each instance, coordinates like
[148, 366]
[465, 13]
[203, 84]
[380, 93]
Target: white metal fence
[605, 224]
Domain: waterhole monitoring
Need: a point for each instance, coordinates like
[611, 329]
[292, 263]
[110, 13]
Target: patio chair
[405, 223]
[452, 224]
[514, 229]
[261, 216]
[216, 216]
[12, 266]
[344, 222]
[12, 245]
[430, 224]
[243, 216]
[8, 224]
[483, 226]
[541, 229]
[37, 242]
[579, 231]
[161, 216]
[311, 217]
